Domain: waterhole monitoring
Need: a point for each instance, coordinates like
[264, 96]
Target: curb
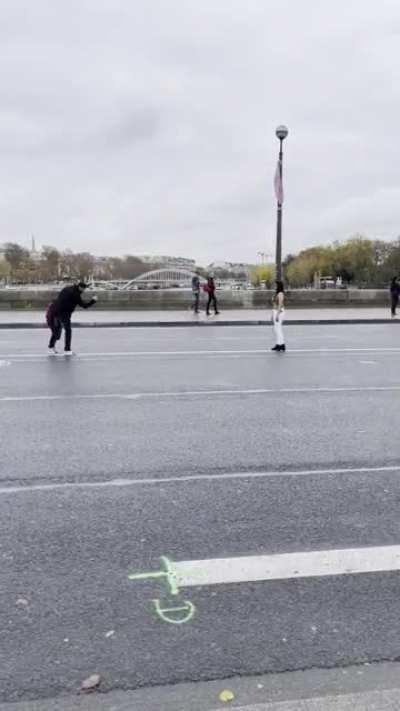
[189, 324]
[354, 688]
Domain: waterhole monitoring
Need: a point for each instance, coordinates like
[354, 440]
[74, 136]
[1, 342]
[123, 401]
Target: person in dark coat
[210, 288]
[60, 311]
[394, 294]
[196, 292]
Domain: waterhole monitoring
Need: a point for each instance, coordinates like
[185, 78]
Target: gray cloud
[149, 127]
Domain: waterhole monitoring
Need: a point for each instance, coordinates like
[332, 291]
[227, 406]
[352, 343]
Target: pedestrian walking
[59, 314]
[394, 294]
[196, 292]
[212, 300]
[278, 315]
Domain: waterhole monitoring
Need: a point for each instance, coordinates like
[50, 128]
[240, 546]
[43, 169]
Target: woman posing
[278, 315]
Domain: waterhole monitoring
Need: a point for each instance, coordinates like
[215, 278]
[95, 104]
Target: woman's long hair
[279, 287]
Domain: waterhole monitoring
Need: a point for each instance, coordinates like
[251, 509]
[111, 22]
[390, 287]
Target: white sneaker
[52, 352]
[69, 353]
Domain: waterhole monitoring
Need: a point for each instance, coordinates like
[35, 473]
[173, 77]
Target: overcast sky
[147, 126]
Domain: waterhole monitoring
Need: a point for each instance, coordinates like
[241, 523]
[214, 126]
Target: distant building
[235, 268]
[219, 265]
[166, 261]
[100, 261]
[34, 253]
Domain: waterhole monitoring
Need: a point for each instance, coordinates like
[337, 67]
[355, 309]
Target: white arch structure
[161, 277]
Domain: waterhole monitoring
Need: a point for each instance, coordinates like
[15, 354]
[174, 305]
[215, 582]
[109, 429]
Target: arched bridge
[168, 277]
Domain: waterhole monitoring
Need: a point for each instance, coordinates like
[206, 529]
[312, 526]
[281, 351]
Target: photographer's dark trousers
[212, 300]
[57, 323]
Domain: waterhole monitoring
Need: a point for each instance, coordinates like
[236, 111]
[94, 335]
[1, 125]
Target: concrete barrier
[175, 300]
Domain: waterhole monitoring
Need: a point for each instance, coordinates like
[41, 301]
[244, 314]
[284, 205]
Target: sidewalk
[244, 317]
[372, 687]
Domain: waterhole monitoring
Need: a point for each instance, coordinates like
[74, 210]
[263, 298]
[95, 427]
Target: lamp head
[281, 132]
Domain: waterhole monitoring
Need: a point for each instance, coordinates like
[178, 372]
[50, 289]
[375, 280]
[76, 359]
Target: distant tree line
[20, 266]
[358, 262]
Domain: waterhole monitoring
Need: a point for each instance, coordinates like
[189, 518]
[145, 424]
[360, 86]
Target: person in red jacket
[210, 289]
[59, 314]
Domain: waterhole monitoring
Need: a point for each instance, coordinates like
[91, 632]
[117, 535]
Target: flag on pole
[278, 185]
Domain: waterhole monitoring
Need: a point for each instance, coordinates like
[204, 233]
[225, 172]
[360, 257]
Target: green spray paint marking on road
[187, 608]
[168, 614]
[167, 573]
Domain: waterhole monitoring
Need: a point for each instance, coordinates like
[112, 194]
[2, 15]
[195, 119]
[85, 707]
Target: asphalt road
[193, 446]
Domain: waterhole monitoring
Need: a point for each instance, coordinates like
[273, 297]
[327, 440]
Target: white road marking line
[256, 351]
[121, 354]
[309, 564]
[179, 394]
[221, 476]
[384, 699]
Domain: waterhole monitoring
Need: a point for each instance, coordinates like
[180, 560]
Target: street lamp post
[281, 133]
